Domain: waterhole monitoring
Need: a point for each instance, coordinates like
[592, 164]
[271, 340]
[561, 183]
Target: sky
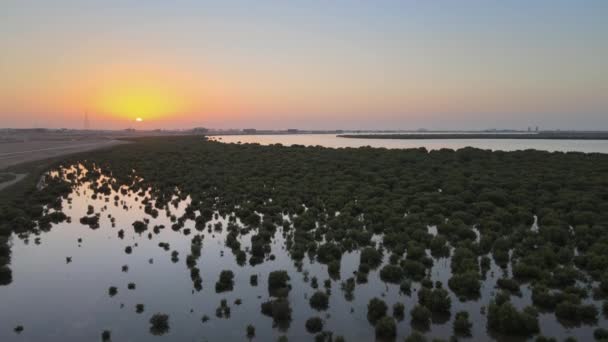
[312, 64]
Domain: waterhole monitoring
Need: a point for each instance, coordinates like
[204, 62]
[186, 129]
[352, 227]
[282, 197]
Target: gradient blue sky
[307, 64]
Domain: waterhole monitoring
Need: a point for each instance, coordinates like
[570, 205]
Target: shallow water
[57, 300]
[331, 140]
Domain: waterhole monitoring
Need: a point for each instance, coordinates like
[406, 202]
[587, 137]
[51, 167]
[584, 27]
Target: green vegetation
[278, 283]
[391, 274]
[376, 309]
[508, 284]
[314, 325]
[159, 324]
[376, 201]
[600, 334]
[436, 300]
[504, 318]
[223, 310]
[462, 325]
[226, 281]
[250, 331]
[415, 337]
[421, 315]
[279, 309]
[386, 328]
[465, 280]
[576, 313]
[371, 257]
[399, 311]
[319, 301]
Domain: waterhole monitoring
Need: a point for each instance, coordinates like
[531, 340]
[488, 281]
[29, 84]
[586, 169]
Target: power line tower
[86, 121]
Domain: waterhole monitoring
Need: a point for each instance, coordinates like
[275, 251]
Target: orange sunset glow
[281, 170]
[329, 66]
[143, 101]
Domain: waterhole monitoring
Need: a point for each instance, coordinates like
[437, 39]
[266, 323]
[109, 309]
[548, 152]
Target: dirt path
[23, 152]
[17, 153]
[18, 178]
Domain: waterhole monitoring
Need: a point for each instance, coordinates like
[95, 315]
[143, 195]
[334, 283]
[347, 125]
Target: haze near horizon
[314, 65]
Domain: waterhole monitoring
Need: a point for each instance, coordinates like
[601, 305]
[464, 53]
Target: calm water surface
[331, 140]
[57, 300]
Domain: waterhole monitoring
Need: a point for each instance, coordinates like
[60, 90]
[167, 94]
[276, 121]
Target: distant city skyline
[320, 65]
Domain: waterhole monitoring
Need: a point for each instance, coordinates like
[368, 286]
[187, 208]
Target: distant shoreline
[528, 136]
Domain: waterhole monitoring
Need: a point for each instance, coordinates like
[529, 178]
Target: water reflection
[77, 280]
[331, 140]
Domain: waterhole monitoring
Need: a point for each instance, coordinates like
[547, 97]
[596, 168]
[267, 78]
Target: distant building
[250, 130]
[292, 130]
[200, 130]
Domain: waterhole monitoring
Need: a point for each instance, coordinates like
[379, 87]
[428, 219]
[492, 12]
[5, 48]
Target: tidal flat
[179, 238]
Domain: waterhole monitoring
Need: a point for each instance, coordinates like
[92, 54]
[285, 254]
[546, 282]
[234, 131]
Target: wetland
[181, 238]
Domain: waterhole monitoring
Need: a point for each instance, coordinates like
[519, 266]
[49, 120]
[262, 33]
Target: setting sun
[410, 170]
[139, 92]
[141, 101]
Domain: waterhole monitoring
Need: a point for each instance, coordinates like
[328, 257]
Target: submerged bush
[462, 325]
[415, 337]
[159, 324]
[437, 300]
[6, 275]
[277, 281]
[376, 309]
[386, 327]
[421, 315]
[466, 284]
[314, 325]
[278, 309]
[600, 334]
[343, 197]
[226, 282]
[506, 319]
[391, 274]
[250, 331]
[370, 256]
[508, 284]
[319, 301]
[398, 311]
[576, 313]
